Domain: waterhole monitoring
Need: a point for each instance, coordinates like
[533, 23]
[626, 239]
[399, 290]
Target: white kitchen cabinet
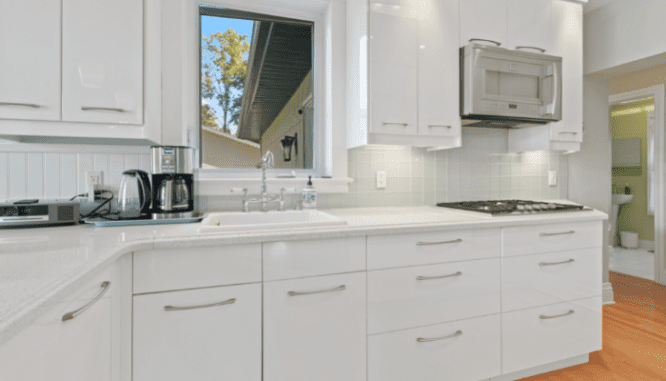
[204, 334]
[529, 26]
[465, 350]
[102, 61]
[535, 239]
[315, 329]
[30, 59]
[484, 20]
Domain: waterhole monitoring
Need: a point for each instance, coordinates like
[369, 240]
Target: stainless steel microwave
[505, 88]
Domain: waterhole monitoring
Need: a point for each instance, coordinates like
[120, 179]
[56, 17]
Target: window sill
[223, 186]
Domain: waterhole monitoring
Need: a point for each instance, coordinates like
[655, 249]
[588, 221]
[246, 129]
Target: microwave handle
[550, 109]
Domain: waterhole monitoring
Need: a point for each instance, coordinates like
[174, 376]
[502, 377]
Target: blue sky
[212, 24]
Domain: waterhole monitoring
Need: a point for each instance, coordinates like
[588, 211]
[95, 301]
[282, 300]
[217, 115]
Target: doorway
[637, 225]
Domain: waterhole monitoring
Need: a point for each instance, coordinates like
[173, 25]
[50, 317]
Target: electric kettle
[134, 194]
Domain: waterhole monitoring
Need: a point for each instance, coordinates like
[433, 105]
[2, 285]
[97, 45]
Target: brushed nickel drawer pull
[531, 47]
[438, 277]
[424, 340]
[439, 125]
[172, 308]
[20, 104]
[438, 243]
[102, 109]
[398, 123]
[569, 132]
[71, 315]
[554, 234]
[483, 39]
[298, 293]
[544, 317]
[555, 263]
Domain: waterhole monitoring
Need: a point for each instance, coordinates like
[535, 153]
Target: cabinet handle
[483, 39]
[398, 123]
[544, 317]
[531, 47]
[85, 108]
[438, 243]
[424, 340]
[172, 308]
[569, 132]
[298, 293]
[439, 125]
[554, 234]
[71, 315]
[20, 104]
[555, 263]
[438, 277]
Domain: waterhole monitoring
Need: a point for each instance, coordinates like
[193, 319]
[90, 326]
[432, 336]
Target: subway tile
[52, 175]
[4, 176]
[35, 175]
[116, 169]
[85, 164]
[17, 175]
[69, 175]
[101, 164]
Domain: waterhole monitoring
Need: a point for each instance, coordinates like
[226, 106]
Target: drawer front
[397, 299]
[168, 270]
[424, 249]
[537, 239]
[297, 259]
[542, 279]
[217, 342]
[530, 341]
[473, 353]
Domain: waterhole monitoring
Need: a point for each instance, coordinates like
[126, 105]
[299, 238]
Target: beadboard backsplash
[58, 170]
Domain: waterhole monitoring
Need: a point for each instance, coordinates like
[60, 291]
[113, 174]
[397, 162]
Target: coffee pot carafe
[173, 182]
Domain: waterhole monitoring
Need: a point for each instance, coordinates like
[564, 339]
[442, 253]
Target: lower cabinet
[465, 350]
[203, 334]
[315, 329]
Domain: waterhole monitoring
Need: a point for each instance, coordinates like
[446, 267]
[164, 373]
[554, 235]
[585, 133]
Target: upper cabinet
[102, 55]
[30, 59]
[79, 70]
[402, 67]
[529, 26]
[483, 21]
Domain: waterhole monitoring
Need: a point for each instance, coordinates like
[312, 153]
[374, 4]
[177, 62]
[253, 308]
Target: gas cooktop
[512, 207]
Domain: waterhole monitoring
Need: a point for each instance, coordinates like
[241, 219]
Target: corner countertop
[40, 266]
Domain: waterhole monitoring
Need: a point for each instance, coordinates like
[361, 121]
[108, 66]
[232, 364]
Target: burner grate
[499, 207]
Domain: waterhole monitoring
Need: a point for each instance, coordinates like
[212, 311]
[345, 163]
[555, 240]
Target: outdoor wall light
[287, 142]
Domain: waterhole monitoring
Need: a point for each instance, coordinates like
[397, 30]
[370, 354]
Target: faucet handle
[244, 190]
[287, 190]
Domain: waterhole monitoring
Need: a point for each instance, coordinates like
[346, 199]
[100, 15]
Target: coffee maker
[172, 182]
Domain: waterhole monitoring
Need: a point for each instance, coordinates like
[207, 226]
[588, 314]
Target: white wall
[623, 32]
[590, 178]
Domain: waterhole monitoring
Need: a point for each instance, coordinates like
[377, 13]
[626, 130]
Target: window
[256, 91]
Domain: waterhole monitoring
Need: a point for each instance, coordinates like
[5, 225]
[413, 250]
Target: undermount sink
[619, 199]
[273, 220]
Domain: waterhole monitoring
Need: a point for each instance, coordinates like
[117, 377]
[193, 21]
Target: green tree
[223, 71]
[208, 117]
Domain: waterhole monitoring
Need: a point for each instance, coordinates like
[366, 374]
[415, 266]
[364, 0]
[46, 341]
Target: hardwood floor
[634, 336]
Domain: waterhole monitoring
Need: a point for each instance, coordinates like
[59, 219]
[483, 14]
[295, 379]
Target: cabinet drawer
[397, 299]
[538, 280]
[522, 240]
[424, 249]
[470, 355]
[296, 259]
[530, 339]
[168, 270]
[217, 342]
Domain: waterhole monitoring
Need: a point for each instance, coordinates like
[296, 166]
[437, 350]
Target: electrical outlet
[93, 179]
[381, 180]
[552, 178]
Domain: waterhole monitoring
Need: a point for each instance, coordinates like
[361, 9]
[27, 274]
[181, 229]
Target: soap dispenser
[627, 190]
[309, 200]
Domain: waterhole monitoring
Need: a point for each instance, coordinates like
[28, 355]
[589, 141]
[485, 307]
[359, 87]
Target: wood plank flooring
[634, 336]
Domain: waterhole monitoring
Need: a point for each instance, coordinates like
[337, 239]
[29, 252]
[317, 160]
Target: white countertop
[40, 266]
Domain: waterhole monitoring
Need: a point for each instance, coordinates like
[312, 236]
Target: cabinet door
[530, 26]
[568, 43]
[314, 329]
[30, 59]
[393, 68]
[52, 349]
[102, 61]
[483, 19]
[206, 340]
[439, 106]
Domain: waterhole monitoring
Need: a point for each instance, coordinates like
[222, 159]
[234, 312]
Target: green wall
[634, 215]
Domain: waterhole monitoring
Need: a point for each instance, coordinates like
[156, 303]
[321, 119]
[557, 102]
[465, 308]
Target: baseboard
[582, 359]
[645, 244]
[607, 296]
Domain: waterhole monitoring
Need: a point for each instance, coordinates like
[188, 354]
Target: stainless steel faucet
[267, 161]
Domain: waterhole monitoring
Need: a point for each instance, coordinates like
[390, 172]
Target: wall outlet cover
[381, 180]
[552, 178]
[93, 180]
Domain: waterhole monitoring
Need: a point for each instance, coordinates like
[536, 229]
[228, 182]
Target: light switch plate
[381, 180]
[552, 178]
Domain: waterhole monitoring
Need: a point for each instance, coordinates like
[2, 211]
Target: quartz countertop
[40, 266]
